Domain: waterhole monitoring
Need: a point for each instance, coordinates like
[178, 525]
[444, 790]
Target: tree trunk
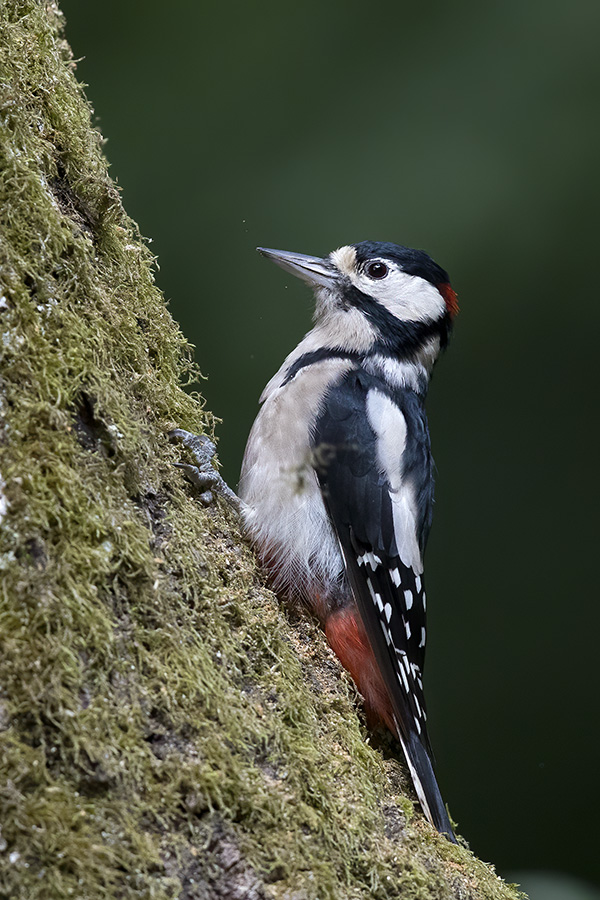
[165, 730]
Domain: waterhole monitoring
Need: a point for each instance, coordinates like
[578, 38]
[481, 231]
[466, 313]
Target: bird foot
[203, 475]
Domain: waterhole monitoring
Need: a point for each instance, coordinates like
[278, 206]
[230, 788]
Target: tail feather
[348, 639]
[425, 783]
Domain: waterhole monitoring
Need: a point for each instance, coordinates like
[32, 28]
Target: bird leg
[203, 475]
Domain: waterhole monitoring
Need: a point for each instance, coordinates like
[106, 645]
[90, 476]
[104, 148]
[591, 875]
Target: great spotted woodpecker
[337, 480]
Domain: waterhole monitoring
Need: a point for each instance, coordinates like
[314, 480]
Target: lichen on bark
[166, 729]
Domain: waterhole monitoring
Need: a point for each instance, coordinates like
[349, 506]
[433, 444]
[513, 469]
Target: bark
[167, 730]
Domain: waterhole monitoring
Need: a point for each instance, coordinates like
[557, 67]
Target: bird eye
[376, 270]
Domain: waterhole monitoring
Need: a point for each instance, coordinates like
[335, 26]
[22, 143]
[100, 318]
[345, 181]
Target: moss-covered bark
[165, 731]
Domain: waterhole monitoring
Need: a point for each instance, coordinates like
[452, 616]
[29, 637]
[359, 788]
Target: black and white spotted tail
[392, 609]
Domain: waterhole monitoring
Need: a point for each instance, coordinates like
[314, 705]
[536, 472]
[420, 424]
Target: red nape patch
[348, 641]
[450, 298]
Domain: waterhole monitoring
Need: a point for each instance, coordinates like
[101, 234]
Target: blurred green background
[470, 130]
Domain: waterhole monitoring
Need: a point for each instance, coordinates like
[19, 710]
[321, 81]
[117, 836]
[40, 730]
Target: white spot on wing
[373, 560]
[386, 632]
[408, 597]
[388, 611]
[369, 558]
[422, 644]
[418, 583]
[406, 628]
[375, 596]
[395, 576]
[403, 680]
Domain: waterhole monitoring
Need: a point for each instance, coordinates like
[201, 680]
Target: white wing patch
[389, 425]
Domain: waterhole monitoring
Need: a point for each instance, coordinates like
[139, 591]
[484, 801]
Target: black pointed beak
[316, 271]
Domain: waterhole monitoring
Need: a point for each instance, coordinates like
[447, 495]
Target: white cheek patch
[345, 259]
[408, 297]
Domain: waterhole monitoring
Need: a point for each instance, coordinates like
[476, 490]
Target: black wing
[373, 462]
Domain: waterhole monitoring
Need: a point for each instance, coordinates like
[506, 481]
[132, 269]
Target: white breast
[284, 514]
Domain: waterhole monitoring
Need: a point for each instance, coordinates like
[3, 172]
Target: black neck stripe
[315, 356]
[395, 339]
[378, 349]
[402, 339]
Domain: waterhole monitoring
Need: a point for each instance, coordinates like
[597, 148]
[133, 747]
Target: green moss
[165, 731]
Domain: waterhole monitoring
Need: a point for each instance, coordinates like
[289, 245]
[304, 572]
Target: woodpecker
[337, 476]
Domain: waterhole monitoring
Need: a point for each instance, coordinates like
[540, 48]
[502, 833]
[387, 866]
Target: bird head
[401, 293]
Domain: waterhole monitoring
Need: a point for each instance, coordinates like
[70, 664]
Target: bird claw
[203, 475]
[200, 444]
[202, 480]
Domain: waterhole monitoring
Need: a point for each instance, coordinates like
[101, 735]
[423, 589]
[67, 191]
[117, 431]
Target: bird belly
[284, 513]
